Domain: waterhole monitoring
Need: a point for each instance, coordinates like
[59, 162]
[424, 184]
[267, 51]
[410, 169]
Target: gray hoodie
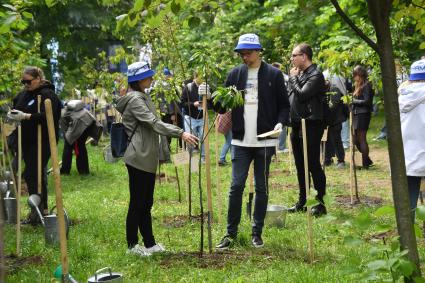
[138, 111]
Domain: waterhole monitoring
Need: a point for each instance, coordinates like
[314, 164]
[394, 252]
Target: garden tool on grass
[251, 191]
[34, 201]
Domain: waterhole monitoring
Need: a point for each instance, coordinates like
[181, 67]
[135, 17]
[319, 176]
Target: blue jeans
[241, 159]
[226, 146]
[345, 133]
[414, 186]
[282, 139]
[197, 126]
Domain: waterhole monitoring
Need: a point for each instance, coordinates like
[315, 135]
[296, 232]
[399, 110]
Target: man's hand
[173, 118]
[17, 115]
[294, 72]
[189, 138]
[197, 103]
[278, 127]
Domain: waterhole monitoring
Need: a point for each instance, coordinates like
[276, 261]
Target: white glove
[278, 127]
[17, 115]
[204, 89]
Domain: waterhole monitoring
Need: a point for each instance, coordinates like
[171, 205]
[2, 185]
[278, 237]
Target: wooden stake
[6, 152]
[58, 189]
[39, 149]
[307, 180]
[207, 156]
[18, 195]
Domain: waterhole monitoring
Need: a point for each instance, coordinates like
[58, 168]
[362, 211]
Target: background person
[307, 96]
[25, 111]
[412, 116]
[143, 126]
[362, 109]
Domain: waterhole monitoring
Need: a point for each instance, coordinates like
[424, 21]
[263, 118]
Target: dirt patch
[14, 263]
[345, 201]
[381, 236]
[279, 172]
[283, 186]
[181, 220]
[75, 221]
[169, 179]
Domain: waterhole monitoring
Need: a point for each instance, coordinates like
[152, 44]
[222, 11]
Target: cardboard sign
[181, 158]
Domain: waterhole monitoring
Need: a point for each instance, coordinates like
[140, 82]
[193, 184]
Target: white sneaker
[138, 250]
[158, 248]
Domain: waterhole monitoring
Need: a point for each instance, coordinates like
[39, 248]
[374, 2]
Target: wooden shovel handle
[58, 190]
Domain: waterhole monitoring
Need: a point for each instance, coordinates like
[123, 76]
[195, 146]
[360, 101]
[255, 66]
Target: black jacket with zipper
[273, 103]
[308, 92]
[364, 102]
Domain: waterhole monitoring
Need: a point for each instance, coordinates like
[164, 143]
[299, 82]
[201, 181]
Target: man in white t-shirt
[266, 108]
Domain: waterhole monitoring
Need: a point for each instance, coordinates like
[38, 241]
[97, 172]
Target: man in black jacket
[266, 107]
[307, 96]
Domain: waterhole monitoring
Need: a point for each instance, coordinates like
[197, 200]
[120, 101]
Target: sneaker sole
[258, 246]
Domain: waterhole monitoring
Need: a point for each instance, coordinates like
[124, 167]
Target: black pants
[81, 155]
[139, 217]
[314, 136]
[334, 144]
[29, 154]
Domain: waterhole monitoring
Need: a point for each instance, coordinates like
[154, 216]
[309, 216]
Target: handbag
[224, 122]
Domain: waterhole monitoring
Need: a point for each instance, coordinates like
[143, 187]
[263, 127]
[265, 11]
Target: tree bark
[379, 13]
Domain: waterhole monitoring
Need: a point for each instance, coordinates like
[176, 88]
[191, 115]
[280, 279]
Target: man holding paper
[266, 108]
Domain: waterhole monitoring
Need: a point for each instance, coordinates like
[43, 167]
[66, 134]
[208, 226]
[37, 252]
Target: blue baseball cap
[248, 41]
[417, 71]
[139, 71]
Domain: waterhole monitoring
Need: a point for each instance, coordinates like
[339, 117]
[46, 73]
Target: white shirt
[250, 114]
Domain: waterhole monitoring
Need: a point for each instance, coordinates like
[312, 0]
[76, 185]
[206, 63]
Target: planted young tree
[379, 14]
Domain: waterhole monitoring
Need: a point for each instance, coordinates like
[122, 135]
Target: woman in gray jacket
[141, 157]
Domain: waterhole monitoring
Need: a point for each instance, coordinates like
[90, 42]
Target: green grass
[97, 204]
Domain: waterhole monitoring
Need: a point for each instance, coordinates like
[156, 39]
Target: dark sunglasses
[27, 82]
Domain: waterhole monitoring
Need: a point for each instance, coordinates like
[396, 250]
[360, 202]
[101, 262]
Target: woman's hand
[190, 139]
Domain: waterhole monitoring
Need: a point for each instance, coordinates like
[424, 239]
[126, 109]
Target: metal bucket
[111, 277]
[276, 216]
[51, 227]
[4, 187]
[107, 155]
[10, 206]
[7, 175]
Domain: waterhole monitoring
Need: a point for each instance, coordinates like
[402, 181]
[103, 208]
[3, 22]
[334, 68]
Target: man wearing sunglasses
[307, 94]
[266, 108]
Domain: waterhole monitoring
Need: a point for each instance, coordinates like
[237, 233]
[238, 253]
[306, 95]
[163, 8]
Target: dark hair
[277, 65]
[361, 72]
[34, 72]
[135, 86]
[305, 48]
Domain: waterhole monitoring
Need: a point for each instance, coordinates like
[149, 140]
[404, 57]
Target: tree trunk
[379, 12]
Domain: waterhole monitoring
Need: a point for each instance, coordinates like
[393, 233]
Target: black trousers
[314, 136]
[80, 149]
[29, 154]
[334, 144]
[139, 217]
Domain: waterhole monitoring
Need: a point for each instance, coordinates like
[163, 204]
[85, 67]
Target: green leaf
[27, 15]
[385, 210]
[363, 221]
[50, 3]
[138, 5]
[154, 22]
[377, 265]
[352, 241]
[312, 202]
[419, 279]
[194, 22]
[406, 267]
[418, 231]
[175, 7]
[420, 212]
[381, 228]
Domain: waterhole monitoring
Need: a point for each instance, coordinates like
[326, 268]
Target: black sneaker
[318, 210]
[257, 242]
[225, 243]
[222, 163]
[298, 207]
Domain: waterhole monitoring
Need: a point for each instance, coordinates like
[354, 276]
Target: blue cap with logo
[139, 71]
[417, 71]
[248, 41]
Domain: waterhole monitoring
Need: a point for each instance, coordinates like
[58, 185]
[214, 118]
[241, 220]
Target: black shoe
[257, 242]
[222, 163]
[318, 210]
[32, 219]
[225, 243]
[298, 207]
[329, 162]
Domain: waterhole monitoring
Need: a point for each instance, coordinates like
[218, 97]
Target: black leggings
[361, 144]
[314, 136]
[79, 146]
[142, 186]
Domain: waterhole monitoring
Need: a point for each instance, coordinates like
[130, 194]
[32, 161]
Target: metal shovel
[34, 201]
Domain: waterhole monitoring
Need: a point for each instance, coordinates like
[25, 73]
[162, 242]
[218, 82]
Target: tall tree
[379, 14]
